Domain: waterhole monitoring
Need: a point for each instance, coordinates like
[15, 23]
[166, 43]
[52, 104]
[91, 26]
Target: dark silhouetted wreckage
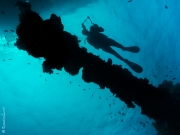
[47, 38]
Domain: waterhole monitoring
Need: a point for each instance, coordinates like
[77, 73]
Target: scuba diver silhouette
[101, 41]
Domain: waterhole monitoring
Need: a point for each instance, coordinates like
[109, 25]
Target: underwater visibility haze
[89, 67]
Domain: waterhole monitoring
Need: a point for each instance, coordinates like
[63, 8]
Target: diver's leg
[135, 67]
[111, 51]
[133, 49]
[112, 42]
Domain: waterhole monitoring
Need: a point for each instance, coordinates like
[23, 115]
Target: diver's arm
[84, 31]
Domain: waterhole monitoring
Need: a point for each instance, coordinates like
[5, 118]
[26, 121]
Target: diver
[101, 41]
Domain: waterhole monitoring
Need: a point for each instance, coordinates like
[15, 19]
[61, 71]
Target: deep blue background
[56, 107]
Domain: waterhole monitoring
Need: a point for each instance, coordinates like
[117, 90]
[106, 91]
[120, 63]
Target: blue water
[37, 103]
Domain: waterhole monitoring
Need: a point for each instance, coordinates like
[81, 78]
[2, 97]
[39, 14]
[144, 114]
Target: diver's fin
[133, 49]
[135, 67]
